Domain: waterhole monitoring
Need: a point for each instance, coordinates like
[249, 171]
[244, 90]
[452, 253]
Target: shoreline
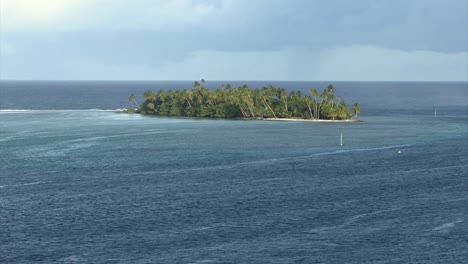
[125, 111]
[312, 120]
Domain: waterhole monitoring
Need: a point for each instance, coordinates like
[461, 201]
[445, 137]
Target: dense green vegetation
[242, 102]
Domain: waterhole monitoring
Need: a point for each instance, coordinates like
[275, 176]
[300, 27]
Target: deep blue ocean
[82, 184]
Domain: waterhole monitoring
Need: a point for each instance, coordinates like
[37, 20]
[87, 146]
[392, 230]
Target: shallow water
[99, 187]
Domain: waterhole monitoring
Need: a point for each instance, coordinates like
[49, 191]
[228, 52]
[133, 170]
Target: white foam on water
[23, 184]
[14, 110]
[457, 199]
[20, 135]
[270, 179]
[446, 226]
[337, 152]
[57, 110]
[358, 217]
[321, 229]
[7, 138]
[55, 150]
[362, 150]
[88, 139]
[79, 146]
[205, 261]
[352, 220]
[268, 161]
[214, 226]
[61, 148]
[97, 138]
[32, 183]
[70, 259]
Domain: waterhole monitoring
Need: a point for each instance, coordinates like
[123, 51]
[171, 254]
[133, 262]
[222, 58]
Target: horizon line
[215, 80]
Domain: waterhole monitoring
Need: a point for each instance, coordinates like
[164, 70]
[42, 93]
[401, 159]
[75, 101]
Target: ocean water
[372, 96]
[84, 185]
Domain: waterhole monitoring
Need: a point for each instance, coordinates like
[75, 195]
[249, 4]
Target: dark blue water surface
[372, 96]
[92, 186]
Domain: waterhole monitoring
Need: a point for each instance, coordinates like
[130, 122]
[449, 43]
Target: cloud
[234, 39]
[6, 49]
[352, 63]
[103, 15]
[153, 15]
[375, 63]
[32, 14]
[256, 25]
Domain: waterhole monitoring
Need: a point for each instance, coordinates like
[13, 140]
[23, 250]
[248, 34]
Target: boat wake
[362, 149]
[269, 161]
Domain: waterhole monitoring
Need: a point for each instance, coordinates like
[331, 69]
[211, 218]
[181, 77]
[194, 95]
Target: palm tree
[343, 111]
[235, 97]
[149, 95]
[189, 97]
[331, 94]
[323, 97]
[284, 97]
[132, 100]
[356, 110]
[150, 106]
[266, 96]
[308, 101]
[230, 101]
[248, 100]
[313, 92]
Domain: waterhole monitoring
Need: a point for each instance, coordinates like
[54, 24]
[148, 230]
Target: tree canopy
[230, 101]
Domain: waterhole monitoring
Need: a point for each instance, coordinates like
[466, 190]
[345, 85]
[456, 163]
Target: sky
[316, 40]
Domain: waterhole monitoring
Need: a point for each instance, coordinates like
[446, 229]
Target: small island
[242, 102]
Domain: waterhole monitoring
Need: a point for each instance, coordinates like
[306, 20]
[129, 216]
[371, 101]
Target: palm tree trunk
[250, 104]
[310, 111]
[242, 111]
[268, 106]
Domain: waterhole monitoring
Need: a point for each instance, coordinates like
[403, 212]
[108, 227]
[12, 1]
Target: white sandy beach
[312, 120]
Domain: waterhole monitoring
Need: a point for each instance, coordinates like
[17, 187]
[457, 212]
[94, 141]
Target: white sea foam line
[358, 217]
[62, 147]
[160, 131]
[205, 261]
[56, 110]
[455, 200]
[23, 184]
[412, 171]
[351, 220]
[20, 135]
[14, 110]
[7, 138]
[214, 226]
[32, 183]
[37, 111]
[446, 226]
[55, 150]
[269, 179]
[274, 160]
[70, 259]
[327, 153]
[361, 149]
